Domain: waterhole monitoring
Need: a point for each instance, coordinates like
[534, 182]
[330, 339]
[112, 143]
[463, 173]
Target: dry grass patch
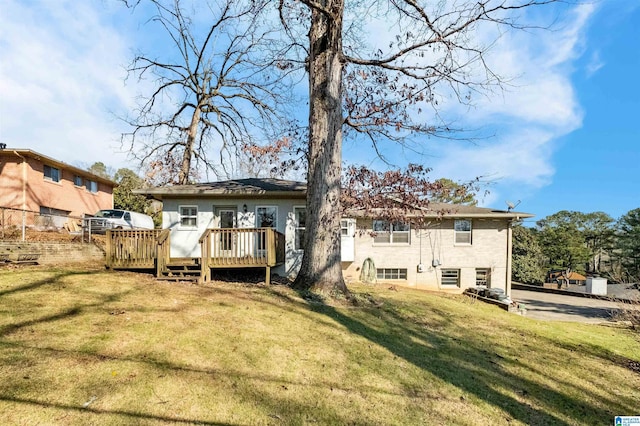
[88, 346]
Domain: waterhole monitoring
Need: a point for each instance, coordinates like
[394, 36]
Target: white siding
[184, 242]
[431, 246]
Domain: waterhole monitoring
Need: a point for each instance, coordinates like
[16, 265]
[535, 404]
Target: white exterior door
[227, 221]
[348, 239]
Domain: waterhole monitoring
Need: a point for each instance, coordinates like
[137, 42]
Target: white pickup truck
[118, 219]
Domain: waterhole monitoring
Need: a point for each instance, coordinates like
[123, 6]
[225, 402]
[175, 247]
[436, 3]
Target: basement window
[483, 277]
[451, 277]
[391, 273]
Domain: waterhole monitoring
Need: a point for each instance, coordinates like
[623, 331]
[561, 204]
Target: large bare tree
[211, 90]
[374, 86]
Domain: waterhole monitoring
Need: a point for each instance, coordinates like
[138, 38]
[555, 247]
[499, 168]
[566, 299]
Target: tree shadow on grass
[281, 406]
[67, 313]
[131, 417]
[44, 281]
[468, 364]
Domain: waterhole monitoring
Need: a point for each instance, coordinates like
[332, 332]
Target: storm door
[227, 221]
[266, 217]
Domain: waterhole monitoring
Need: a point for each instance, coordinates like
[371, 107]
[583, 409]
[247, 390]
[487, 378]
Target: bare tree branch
[213, 89]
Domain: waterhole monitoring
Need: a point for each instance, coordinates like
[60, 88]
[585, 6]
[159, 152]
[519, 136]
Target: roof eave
[60, 164]
[206, 194]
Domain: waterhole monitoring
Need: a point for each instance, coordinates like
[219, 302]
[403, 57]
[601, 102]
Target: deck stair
[181, 270]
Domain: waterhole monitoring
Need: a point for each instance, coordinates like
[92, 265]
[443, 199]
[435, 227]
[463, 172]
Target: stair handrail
[205, 253]
[163, 251]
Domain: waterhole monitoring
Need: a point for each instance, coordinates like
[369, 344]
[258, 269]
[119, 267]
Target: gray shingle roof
[279, 188]
[231, 188]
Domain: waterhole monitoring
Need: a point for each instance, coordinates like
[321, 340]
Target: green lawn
[88, 346]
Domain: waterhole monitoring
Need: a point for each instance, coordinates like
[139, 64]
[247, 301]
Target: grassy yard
[88, 346]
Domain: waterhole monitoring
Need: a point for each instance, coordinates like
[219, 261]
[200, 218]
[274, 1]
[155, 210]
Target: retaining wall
[52, 253]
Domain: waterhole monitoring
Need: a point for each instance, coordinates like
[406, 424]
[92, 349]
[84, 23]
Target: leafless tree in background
[212, 90]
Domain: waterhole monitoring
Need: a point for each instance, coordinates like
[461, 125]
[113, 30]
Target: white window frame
[450, 277]
[275, 222]
[460, 236]
[189, 215]
[391, 273]
[344, 228]
[298, 243]
[387, 229]
[50, 177]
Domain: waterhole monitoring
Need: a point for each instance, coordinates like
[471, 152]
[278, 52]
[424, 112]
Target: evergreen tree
[527, 257]
[628, 244]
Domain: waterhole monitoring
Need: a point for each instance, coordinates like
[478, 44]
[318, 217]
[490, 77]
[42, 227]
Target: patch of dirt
[62, 236]
[628, 363]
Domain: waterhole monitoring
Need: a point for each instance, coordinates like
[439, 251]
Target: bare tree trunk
[321, 268]
[192, 133]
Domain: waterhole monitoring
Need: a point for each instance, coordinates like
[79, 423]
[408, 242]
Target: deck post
[108, 248]
[271, 254]
[205, 256]
[267, 278]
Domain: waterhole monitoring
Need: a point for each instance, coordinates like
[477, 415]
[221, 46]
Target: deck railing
[220, 248]
[242, 247]
[131, 248]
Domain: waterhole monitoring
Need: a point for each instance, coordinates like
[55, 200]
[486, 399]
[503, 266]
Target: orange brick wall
[38, 192]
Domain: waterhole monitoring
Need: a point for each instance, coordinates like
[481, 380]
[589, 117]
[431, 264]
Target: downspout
[24, 193]
[509, 250]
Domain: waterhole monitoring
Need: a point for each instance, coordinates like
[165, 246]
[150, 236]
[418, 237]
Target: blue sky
[565, 131]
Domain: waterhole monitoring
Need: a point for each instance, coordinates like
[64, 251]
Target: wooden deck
[220, 248]
[132, 249]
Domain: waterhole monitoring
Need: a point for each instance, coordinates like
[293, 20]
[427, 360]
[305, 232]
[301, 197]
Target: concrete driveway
[557, 307]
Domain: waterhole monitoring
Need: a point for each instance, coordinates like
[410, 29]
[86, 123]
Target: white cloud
[538, 107]
[61, 76]
[595, 63]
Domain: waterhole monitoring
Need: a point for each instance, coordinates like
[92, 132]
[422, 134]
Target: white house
[458, 247]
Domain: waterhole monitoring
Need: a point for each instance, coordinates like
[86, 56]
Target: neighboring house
[462, 246]
[37, 183]
[560, 276]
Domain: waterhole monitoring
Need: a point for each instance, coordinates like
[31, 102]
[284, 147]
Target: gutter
[509, 253]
